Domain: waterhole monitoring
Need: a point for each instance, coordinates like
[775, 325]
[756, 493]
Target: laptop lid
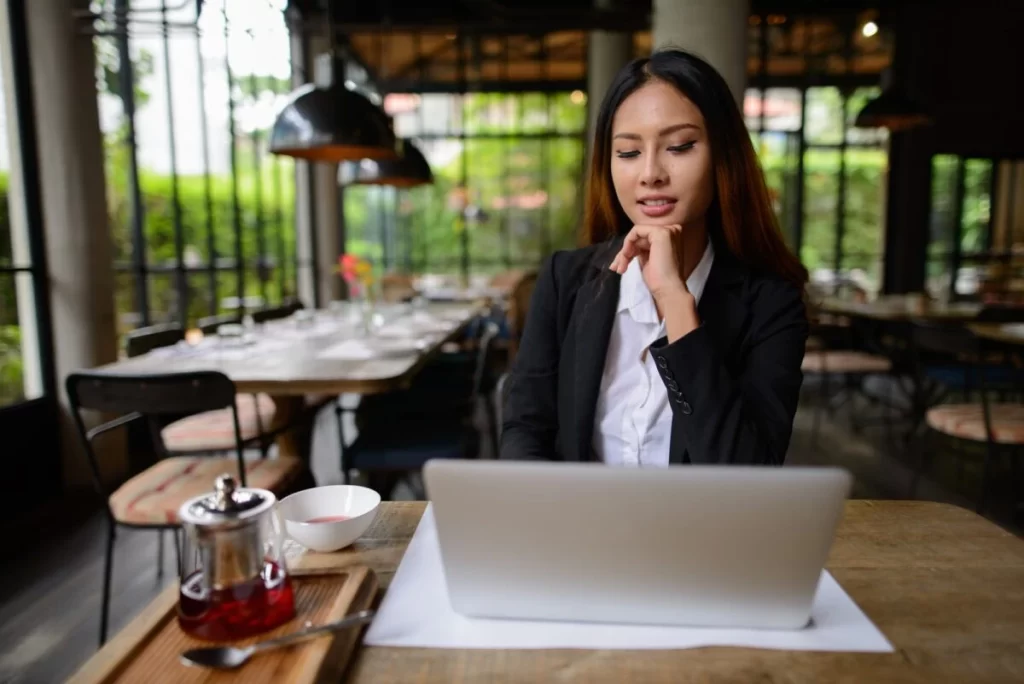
[687, 545]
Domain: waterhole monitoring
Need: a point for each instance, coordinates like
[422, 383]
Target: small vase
[367, 313]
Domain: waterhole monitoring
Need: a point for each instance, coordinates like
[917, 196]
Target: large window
[20, 361]
[827, 178]
[201, 215]
[965, 256]
[507, 165]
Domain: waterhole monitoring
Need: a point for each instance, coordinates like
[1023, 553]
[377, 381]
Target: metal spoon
[230, 657]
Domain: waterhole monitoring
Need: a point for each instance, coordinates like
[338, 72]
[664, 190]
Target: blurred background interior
[166, 167]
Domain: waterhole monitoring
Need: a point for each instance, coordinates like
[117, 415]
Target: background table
[885, 311]
[1003, 333]
[296, 369]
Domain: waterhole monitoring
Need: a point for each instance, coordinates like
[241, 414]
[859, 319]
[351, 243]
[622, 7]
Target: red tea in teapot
[238, 611]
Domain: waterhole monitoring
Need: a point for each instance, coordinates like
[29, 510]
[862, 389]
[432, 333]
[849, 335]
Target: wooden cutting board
[148, 649]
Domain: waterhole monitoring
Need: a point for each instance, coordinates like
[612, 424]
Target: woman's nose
[654, 172]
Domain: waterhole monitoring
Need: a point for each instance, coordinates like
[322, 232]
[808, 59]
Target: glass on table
[304, 318]
[231, 335]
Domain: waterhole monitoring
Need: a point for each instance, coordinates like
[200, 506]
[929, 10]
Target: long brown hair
[741, 213]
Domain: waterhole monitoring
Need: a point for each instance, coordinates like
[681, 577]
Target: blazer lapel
[594, 313]
[724, 314]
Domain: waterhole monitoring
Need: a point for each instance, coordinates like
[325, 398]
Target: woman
[677, 336]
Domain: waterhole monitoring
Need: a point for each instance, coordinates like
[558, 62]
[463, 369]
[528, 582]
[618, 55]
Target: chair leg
[177, 551]
[108, 568]
[854, 385]
[986, 478]
[1015, 473]
[890, 431]
[821, 408]
[339, 417]
[922, 464]
[160, 554]
[492, 427]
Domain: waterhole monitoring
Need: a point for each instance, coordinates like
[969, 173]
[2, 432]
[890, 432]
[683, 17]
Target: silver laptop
[688, 545]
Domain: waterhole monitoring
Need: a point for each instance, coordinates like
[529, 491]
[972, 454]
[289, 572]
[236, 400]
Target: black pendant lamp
[408, 170]
[893, 110]
[332, 124]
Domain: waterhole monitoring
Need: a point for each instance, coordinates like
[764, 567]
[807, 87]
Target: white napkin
[349, 350]
[364, 349]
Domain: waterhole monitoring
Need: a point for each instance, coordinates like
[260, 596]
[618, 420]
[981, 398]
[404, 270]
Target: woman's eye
[683, 147]
[628, 154]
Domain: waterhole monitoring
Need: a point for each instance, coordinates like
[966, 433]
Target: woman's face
[660, 158]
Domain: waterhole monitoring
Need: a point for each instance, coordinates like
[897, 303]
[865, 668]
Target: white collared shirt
[633, 421]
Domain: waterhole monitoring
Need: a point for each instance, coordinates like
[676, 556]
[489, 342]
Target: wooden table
[1003, 333]
[296, 369]
[883, 311]
[944, 585]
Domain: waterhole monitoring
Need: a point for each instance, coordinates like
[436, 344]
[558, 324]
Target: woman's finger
[639, 241]
[634, 246]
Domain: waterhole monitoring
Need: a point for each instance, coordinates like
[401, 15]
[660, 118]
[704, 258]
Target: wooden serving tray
[147, 649]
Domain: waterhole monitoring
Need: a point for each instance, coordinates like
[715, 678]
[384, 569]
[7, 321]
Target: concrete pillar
[78, 244]
[1008, 211]
[328, 230]
[607, 52]
[713, 29]
[317, 196]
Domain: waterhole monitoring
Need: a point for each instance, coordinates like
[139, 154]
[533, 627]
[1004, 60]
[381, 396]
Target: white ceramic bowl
[358, 504]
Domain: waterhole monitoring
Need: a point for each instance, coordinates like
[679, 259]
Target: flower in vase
[357, 272]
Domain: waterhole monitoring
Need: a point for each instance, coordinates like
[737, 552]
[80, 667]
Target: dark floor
[49, 598]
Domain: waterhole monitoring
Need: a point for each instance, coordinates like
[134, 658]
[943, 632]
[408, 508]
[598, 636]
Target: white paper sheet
[372, 348]
[416, 612]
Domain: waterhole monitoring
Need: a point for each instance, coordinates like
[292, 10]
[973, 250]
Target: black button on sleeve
[686, 408]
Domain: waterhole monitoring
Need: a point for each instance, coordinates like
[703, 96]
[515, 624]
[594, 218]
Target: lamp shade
[892, 110]
[332, 125]
[408, 170]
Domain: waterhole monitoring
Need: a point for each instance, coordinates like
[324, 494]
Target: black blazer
[733, 384]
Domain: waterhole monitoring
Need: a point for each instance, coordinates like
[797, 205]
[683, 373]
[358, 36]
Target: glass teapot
[234, 582]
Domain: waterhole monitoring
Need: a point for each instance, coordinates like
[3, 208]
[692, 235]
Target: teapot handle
[279, 537]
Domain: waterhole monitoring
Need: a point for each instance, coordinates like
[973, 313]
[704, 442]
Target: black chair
[983, 427]
[400, 432]
[199, 434]
[145, 340]
[209, 324]
[277, 313]
[1001, 314]
[839, 351]
[150, 499]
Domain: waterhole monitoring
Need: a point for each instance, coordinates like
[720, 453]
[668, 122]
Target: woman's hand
[659, 249]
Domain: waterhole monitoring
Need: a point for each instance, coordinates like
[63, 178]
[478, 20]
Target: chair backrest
[209, 324]
[952, 340]
[1001, 314]
[518, 307]
[499, 392]
[144, 340]
[277, 313]
[484, 357]
[134, 397]
[397, 287]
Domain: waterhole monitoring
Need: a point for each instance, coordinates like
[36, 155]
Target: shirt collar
[635, 298]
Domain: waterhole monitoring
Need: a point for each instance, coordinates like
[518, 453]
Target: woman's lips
[657, 209]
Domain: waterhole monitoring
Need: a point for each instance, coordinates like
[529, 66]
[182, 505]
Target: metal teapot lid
[227, 506]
